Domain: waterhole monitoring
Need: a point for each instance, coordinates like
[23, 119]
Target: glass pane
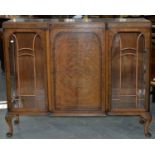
[27, 70]
[128, 69]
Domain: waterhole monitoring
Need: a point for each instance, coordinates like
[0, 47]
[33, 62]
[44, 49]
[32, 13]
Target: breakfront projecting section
[77, 53]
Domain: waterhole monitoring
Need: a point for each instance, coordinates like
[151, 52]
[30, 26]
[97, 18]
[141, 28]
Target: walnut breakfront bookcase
[93, 67]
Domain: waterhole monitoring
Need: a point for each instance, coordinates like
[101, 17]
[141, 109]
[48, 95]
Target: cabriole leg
[147, 118]
[8, 119]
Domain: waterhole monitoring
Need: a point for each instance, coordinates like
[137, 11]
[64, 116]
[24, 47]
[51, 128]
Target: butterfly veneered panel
[77, 71]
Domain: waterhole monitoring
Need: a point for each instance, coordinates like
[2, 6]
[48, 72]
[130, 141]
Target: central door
[77, 64]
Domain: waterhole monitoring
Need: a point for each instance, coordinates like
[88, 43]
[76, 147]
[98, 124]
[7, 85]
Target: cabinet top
[44, 23]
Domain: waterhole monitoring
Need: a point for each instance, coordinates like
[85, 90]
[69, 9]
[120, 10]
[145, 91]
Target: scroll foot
[9, 134]
[148, 134]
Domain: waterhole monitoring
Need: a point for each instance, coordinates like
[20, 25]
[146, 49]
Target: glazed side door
[128, 68]
[25, 57]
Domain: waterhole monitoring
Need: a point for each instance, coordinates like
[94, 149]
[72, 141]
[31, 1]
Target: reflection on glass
[128, 69]
[27, 62]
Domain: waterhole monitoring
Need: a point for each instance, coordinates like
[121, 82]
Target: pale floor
[111, 127]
